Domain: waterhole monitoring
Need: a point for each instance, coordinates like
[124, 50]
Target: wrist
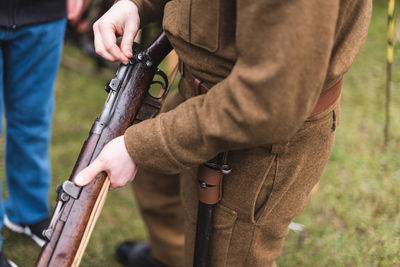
[132, 7]
[137, 8]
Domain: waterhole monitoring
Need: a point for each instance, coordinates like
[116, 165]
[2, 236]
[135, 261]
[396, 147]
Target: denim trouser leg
[31, 57]
[1, 109]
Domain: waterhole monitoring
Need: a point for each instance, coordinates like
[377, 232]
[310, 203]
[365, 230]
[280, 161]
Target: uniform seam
[251, 243]
[265, 175]
[234, 225]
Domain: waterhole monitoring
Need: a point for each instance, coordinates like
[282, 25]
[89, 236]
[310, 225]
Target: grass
[353, 219]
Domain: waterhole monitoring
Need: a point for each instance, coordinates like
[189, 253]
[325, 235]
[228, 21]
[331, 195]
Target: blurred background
[353, 216]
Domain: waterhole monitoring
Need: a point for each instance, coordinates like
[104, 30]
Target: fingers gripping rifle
[128, 102]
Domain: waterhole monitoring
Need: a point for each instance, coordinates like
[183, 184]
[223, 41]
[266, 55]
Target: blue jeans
[29, 59]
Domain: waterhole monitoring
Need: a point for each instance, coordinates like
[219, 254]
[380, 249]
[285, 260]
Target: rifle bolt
[149, 63]
[140, 56]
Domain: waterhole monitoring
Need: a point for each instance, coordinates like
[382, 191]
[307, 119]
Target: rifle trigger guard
[164, 84]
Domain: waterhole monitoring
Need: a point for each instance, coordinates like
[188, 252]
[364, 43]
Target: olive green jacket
[269, 61]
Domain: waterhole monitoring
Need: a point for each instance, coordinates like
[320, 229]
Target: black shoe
[34, 230]
[131, 253]
[4, 262]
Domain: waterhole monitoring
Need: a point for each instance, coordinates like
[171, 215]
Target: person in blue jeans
[31, 40]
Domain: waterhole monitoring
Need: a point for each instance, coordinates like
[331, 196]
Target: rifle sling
[210, 174]
[210, 180]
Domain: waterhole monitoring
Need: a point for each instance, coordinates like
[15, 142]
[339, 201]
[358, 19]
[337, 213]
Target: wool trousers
[29, 60]
[269, 185]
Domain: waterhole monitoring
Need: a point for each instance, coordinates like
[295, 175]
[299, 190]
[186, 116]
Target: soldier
[273, 70]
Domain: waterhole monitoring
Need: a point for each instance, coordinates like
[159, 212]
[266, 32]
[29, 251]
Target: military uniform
[268, 62]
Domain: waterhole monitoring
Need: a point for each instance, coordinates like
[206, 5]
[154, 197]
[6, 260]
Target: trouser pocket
[267, 188]
[298, 170]
[224, 221]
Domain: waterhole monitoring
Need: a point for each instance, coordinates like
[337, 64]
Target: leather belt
[327, 97]
[198, 87]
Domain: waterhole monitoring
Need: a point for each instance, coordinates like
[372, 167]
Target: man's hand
[75, 9]
[121, 19]
[113, 159]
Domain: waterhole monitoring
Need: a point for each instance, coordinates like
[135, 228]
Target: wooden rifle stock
[128, 102]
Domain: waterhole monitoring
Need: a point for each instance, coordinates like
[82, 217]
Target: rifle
[128, 102]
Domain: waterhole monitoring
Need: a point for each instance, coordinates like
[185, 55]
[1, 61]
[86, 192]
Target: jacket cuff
[148, 149]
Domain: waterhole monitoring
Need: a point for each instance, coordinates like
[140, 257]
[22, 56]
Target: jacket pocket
[173, 21]
[205, 24]
[195, 21]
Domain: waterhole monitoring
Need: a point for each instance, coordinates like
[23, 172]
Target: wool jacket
[268, 60]
[17, 13]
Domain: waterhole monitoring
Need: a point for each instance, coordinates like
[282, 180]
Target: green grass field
[353, 219]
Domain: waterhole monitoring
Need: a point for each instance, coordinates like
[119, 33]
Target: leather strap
[198, 87]
[210, 177]
[328, 95]
[210, 174]
[209, 189]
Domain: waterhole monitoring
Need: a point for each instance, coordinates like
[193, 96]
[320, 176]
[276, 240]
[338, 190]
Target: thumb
[128, 38]
[86, 175]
